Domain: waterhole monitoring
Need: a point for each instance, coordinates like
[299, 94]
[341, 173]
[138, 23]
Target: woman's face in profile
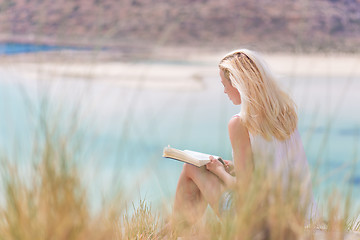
[231, 91]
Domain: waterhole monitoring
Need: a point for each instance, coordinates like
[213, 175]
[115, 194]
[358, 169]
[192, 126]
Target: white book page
[199, 155]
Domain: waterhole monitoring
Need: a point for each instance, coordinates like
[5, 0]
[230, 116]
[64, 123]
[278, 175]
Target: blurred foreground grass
[51, 202]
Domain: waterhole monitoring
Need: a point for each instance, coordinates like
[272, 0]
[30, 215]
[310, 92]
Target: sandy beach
[178, 72]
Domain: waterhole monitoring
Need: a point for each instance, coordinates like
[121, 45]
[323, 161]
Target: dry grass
[48, 200]
[52, 203]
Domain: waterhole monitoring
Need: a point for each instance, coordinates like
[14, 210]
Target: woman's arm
[240, 142]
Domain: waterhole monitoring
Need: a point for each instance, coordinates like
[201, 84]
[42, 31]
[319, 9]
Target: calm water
[124, 129]
[19, 48]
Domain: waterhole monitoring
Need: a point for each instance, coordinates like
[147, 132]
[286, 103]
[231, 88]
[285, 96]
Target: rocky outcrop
[323, 25]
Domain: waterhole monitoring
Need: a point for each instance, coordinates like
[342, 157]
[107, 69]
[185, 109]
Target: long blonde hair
[266, 109]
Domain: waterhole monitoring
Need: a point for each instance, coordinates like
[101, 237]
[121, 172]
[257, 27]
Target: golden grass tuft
[141, 224]
[47, 200]
[53, 204]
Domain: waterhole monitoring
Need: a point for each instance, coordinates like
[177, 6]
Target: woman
[264, 132]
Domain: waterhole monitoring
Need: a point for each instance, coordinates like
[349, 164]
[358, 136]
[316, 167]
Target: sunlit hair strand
[266, 109]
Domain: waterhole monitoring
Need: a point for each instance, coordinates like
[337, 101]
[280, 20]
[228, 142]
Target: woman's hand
[229, 167]
[215, 166]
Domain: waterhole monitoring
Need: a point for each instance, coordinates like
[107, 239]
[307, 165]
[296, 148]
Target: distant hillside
[290, 25]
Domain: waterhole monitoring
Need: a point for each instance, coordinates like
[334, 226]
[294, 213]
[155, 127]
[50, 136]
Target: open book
[195, 158]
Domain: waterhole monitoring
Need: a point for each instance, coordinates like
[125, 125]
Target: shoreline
[164, 68]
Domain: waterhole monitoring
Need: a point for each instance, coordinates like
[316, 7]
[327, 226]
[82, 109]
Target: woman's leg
[196, 188]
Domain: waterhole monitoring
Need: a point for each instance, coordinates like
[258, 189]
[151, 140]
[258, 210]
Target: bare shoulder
[237, 130]
[237, 125]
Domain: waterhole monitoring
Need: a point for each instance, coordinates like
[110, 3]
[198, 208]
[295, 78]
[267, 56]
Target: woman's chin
[235, 102]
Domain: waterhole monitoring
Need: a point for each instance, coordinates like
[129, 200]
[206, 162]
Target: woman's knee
[189, 170]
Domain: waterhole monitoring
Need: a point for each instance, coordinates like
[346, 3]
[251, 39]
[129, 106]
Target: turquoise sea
[11, 48]
[123, 130]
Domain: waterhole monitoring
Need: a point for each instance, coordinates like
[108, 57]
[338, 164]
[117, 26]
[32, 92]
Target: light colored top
[284, 160]
[280, 157]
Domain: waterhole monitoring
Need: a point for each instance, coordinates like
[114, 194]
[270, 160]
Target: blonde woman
[264, 132]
